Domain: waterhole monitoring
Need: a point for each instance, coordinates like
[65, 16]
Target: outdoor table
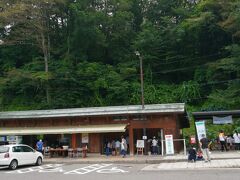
[58, 151]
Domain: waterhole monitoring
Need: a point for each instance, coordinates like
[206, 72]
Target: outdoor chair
[46, 152]
[79, 152]
[70, 152]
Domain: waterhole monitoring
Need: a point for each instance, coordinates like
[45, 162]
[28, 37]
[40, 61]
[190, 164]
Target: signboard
[2, 138]
[85, 138]
[140, 143]
[222, 120]
[169, 144]
[200, 127]
[144, 137]
[14, 139]
[192, 140]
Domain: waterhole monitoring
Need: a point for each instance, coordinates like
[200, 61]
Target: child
[200, 155]
[192, 154]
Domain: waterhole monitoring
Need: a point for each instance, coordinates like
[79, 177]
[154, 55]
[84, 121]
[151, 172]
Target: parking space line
[34, 169]
[88, 169]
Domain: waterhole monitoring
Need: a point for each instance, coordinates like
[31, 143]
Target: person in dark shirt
[192, 154]
[204, 142]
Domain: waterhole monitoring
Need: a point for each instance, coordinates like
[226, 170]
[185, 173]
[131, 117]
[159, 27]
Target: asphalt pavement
[114, 171]
[230, 159]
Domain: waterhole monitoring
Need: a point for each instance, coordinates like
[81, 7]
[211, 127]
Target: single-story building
[94, 126]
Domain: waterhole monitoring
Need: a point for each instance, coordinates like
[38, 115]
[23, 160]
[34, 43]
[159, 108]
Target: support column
[145, 141]
[74, 140]
[131, 141]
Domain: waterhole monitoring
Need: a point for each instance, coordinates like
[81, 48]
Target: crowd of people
[226, 143]
[121, 147]
[116, 147]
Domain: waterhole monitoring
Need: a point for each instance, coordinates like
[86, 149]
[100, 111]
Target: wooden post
[74, 141]
[131, 143]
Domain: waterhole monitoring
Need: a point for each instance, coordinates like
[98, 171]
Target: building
[96, 125]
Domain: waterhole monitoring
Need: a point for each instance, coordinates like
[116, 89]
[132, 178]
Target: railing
[184, 145]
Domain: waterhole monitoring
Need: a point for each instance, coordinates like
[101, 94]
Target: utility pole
[141, 77]
[142, 98]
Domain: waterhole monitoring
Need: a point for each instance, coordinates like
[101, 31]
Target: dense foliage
[81, 53]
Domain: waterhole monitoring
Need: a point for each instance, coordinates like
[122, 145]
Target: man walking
[204, 142]
[40, 146]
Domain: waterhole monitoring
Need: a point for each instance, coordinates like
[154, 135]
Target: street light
[141, 77]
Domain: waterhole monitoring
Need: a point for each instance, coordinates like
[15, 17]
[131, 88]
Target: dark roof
[176, 108]
[96, 111]
[209, 114]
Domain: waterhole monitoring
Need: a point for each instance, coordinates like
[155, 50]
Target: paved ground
[106, 171]
[226, 163]
[229, 159]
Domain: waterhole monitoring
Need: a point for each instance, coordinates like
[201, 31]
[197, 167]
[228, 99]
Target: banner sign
[200, 127]
[169, 144]
[222, 120]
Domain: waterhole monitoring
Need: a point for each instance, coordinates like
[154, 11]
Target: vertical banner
[169, 144]
[200, 127]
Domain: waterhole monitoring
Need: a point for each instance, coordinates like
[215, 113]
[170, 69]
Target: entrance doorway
[110, 137]
[149, 135]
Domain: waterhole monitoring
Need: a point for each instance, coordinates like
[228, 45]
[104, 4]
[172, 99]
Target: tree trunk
[46, 55]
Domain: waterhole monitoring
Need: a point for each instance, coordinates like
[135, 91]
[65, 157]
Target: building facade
[95, 126]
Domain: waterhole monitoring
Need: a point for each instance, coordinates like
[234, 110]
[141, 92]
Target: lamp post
[141, 77]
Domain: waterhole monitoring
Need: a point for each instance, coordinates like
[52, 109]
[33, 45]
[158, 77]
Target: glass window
[17, 149]
[4, 149]
[139, 118]
[27, 149]
[120, 118]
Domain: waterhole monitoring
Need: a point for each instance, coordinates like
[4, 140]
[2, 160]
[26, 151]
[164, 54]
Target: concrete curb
[125, 161]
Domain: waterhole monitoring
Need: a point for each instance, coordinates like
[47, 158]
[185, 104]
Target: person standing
[113, 146]
[39, 146]
[236, 137]
[117, 146]
[222, 140]
[123, 147]
[108, 148]
[204, 142]
[154, 146]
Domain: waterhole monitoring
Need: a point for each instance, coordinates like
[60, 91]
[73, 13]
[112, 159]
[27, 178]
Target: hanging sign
[201, 130]
[169, 144]
[85, 138]
[222, 120]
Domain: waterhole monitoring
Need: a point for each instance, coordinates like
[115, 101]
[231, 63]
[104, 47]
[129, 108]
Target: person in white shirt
[236, 137]
[222, 140]
[123, 147]
[154, 145]
[117, 145]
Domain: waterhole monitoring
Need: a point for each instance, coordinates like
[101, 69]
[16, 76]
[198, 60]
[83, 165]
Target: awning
[63, 130]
